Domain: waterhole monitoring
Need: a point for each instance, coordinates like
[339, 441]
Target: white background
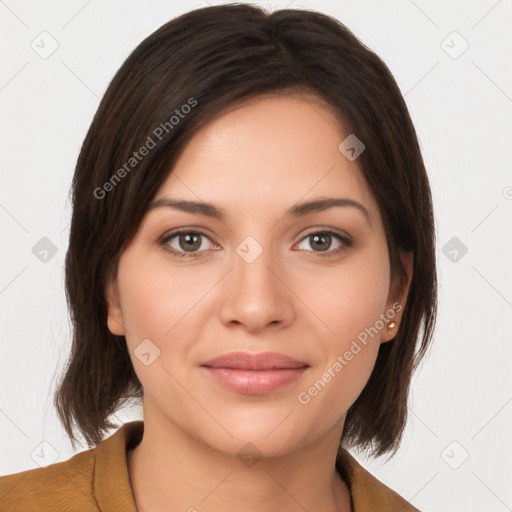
[462, 110]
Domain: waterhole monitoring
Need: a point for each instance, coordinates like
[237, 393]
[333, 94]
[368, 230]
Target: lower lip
[255, 382]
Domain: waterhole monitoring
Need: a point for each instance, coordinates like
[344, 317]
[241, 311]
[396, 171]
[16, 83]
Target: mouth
[255, 373]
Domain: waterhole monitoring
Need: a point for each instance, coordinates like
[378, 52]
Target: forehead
[268, 151]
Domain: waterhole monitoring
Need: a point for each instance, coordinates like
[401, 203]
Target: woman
[252, 254]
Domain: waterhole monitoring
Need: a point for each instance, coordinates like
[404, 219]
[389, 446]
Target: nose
[256, 295]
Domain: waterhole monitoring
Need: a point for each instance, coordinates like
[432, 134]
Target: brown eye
[189, 242]
[321, 242]
[186, 243]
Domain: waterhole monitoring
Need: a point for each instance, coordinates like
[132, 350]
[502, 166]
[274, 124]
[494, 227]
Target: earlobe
[115, 316]
[396, 304]
[389, 331]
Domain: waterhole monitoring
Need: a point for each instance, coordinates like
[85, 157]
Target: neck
[171, 471]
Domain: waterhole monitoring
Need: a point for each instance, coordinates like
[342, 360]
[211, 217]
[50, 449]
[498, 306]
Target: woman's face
[257, 279]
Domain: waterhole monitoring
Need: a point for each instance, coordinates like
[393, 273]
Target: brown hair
[209, 59]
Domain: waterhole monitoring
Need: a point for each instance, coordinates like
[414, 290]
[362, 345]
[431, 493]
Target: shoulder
[90, 481]
[368, 493]
[64, 486]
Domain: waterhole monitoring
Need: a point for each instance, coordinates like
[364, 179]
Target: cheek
[162, 304]
[157, 296]
[348, 298]
[349, 301]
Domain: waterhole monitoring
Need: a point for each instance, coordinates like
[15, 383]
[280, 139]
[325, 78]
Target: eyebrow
[298, 210]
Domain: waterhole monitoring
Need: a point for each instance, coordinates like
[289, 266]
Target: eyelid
[327, 229]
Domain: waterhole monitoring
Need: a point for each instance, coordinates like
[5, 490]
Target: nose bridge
[255, 296]
[253, 263]
[253, 269]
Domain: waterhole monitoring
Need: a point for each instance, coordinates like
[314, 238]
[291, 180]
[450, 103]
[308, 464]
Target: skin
[255, 161]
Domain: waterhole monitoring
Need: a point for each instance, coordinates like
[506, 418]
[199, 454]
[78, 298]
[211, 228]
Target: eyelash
[346, 243]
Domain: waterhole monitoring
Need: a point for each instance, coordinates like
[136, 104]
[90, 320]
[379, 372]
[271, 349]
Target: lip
[255, 373]
[255, 382]
[260, 361]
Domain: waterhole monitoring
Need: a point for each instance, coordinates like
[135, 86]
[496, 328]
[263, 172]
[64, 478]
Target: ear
[396, 300]
[115, 315]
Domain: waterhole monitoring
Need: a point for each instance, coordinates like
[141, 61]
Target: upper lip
[261, 361]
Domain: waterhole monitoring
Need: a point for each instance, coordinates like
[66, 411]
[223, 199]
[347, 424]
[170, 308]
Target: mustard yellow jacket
[97, 480]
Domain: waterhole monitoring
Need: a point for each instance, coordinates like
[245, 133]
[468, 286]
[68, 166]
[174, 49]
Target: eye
[323, 240]
[189, 243]
[185, 243]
